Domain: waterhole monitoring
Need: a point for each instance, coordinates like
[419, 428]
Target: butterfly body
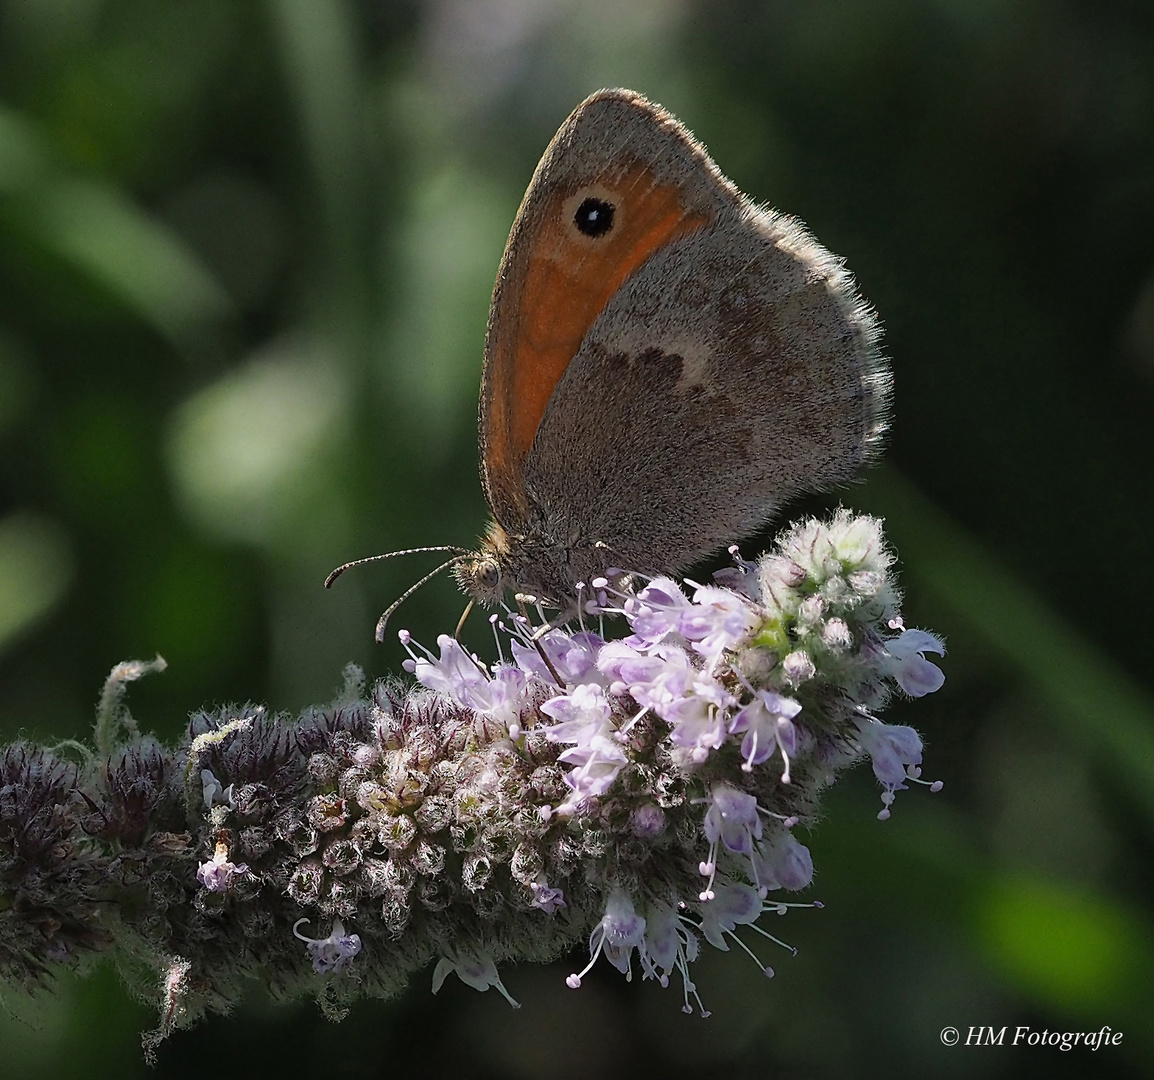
[666, 362]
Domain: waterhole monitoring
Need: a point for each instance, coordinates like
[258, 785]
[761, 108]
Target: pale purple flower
[214, 790]
[669, 944]
[468, 685]
[891, 748]
[475, 970]
[580, 714]
[619, 932]
[573, 656]
[502, 697]
[332, 954]
[906, 663]
[596, 764]
[718, 620]
[661, 942]
[768, 725]
[455, 673]
[663, 675]
[655, 612]
[547, 898]
[218, 873]
[698, 721]
[733, 819]
[733, 904]
[584, 719]
[782, 863]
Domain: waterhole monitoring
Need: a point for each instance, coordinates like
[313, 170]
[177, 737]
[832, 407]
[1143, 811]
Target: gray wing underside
[735, 369]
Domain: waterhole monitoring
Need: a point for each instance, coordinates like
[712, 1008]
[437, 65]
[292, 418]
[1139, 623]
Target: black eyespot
[594, 217]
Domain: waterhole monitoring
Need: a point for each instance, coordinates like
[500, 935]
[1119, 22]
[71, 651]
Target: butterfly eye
[488, 574]
[594, 217]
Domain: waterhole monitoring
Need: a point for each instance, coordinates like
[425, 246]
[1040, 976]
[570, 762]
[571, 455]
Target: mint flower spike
[637, 788]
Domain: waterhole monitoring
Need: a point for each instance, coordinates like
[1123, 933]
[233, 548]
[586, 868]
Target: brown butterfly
[666, 363]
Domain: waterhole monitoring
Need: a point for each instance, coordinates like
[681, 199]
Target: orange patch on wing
[568, 281]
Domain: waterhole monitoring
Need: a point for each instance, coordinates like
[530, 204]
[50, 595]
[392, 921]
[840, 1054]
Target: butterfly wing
[555, 280]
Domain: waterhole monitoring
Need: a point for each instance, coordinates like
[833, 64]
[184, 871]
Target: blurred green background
[246, 251]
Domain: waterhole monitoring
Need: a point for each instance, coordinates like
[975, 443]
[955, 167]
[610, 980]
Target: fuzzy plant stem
[638, 794]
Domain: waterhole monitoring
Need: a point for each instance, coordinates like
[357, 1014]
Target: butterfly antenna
[393, 554]
[382, 622]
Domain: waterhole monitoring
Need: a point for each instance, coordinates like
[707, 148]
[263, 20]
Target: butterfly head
[487, 572]
[534, 567]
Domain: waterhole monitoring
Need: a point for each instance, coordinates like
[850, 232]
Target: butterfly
[666, 363]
